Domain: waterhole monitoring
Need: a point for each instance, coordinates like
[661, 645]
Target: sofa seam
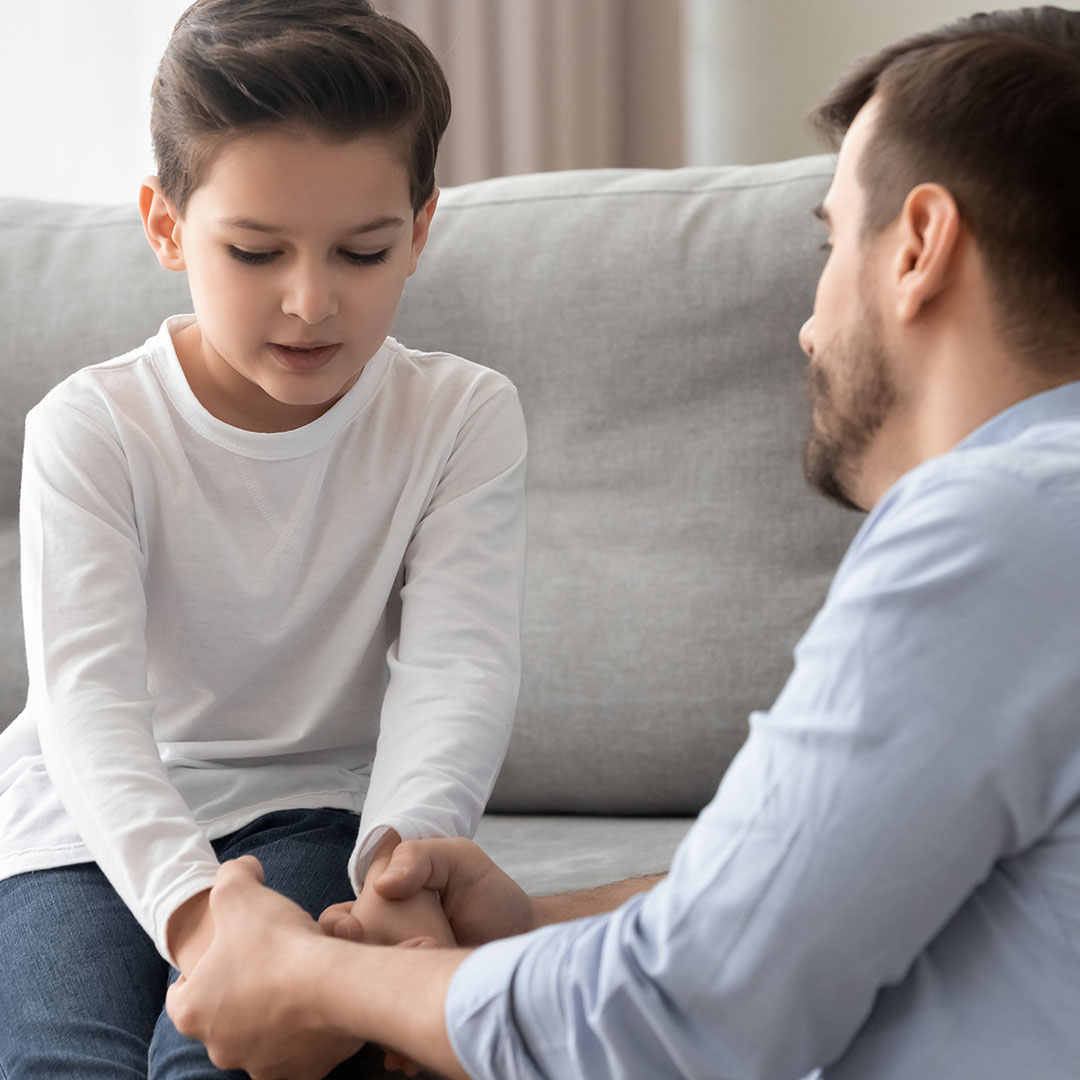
[607, 194]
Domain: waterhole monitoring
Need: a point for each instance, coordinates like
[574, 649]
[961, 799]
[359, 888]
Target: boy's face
[297, 250]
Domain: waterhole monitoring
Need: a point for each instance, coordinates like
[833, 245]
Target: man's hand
[480, 901]
[254, 997]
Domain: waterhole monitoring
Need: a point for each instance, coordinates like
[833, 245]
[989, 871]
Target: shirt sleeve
[455, 666]
[915, 743]
[84, 611]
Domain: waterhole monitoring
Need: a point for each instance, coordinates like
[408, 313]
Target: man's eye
[359, 258]
[826, 246]
[254, 258]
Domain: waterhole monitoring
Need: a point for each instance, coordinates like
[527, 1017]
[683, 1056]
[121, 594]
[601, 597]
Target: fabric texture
[887, 883]
[221, 622]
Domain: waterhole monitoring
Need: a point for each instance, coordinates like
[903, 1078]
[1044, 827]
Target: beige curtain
[554, 84]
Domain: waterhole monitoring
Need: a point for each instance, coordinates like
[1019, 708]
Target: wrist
[380, 858]
[189, 930]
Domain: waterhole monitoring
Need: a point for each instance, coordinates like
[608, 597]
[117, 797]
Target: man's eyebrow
[821, 213]
[385, 222]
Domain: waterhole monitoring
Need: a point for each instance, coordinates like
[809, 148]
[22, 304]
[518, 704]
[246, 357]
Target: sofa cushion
[78, 285]
[649, 319]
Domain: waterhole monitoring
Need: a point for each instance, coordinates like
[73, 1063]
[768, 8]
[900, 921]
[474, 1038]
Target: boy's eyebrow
[384, 222]
[821, 213]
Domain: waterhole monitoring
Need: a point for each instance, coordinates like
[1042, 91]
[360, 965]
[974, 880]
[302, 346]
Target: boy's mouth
[304, 358]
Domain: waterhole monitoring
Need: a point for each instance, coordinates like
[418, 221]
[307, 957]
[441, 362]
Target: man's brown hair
[989, 107]
[334, 67]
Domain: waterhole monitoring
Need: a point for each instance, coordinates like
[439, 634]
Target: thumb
[244, 870]
[410, 870]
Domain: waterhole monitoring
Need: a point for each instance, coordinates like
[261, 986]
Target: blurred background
[537, 84]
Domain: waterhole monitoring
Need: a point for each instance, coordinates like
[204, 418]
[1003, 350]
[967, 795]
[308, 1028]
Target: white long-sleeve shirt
[220, 623]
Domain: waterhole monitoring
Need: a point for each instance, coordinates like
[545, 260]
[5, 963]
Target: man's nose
[806, 337]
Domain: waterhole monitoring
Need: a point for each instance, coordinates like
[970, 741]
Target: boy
[256, 546]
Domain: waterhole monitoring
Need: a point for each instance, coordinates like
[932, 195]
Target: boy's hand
[481, 903]
[255, 998]
[377, 921]
[414, 919]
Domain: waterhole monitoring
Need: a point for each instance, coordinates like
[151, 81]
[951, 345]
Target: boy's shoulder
[445, 372]
[92, 415]
[103, 388]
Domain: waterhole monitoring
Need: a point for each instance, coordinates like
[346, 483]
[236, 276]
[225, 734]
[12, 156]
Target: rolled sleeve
[902, 759]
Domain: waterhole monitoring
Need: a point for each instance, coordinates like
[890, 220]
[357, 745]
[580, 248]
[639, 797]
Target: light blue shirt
[886, 885]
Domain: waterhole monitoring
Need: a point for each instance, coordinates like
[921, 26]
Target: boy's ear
[421, 225]
[160, 222]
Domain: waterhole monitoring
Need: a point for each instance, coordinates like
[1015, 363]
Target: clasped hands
[285, 998]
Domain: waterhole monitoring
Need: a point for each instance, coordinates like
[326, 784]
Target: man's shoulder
[1023, 487]
[1003, 515]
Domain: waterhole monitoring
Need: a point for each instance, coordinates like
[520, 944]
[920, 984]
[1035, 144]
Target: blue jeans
[82, 987]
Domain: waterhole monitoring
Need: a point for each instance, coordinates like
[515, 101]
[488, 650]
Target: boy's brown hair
[334, 67]
[989, 107]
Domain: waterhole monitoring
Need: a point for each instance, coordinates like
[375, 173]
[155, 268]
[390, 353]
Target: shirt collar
[1061, 403]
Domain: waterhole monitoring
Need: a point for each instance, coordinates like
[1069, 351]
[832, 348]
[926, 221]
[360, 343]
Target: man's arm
[563, 907]
[274, 996]
[279, 999]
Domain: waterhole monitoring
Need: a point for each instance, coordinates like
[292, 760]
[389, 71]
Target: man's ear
[421, 226]
[160, 223]
[925, 263]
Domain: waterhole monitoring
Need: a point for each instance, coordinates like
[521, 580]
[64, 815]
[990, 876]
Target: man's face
[850, 380]
[297, 250]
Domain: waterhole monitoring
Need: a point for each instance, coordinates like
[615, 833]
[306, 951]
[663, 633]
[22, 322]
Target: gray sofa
[649, 319]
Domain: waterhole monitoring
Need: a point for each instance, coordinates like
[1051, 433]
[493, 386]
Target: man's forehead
[845, 184]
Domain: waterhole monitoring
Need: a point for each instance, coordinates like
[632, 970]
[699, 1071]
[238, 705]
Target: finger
[425, 941]
[395, 1062]
[415, 865]
[334, 912]
[178, 1008]
[345, 927]
[242, 871]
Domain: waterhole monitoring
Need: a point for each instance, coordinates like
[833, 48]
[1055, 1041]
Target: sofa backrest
[649, 319]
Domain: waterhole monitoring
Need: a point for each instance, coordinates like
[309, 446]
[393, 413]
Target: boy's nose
[806, 337]
[310, 296]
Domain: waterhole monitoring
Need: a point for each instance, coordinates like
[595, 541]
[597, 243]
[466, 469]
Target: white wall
[75, 80]
[75, 96]
[755, 68]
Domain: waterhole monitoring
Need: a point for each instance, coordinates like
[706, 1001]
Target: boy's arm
[84, 613]
[455, 665]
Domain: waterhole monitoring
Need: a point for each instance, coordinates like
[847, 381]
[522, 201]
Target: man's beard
[838, 440]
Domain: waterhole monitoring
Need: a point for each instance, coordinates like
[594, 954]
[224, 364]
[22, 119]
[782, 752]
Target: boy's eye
[825, 246]
[360, 258]
[255, 258]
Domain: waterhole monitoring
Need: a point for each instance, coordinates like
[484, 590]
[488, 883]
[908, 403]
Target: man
[887, 883]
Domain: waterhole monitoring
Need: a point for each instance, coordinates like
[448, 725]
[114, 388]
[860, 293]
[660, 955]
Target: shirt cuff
[479, 1013]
